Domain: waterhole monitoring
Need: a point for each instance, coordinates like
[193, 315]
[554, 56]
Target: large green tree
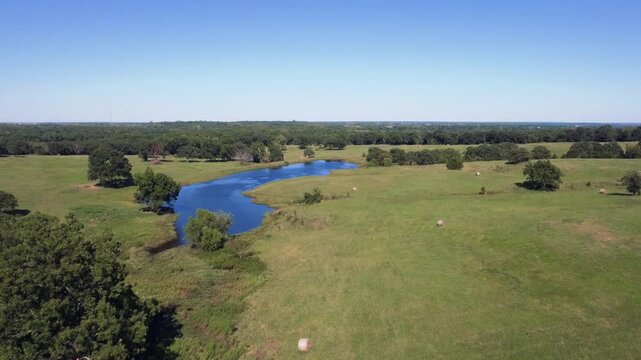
[632, 182]
[8, 202]
[156, 190]
[108, 166]
[208, 230]
[542, 175]
[64, 296]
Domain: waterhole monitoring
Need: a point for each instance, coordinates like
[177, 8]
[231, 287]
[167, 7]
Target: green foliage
[633, 151]
[378, 157]
[314, 197]
[208, 230]
[259, 152]
[275, 152]
[64, 296]
[309, 152]
[8, 202]
[489, 152]
[188, 152]
[595, 150]
[453, 159]
[108, 166]
[542, 175]
[541, 152]
[518, 156]
[155, 190]
[632, 182]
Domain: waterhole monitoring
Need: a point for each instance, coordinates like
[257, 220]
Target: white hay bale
[478, 173]
[304, 344]
[603, 191]
[440, 223]
[354, 188]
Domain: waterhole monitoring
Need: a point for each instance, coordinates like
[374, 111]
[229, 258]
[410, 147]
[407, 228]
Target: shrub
[309, 152]
[453, 160]
[541, 152]
[632, 182]
[378, 157]
[519, 155]
[208, 230]
[542, 175]
[312, 198]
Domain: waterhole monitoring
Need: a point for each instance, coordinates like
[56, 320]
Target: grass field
[514, 274]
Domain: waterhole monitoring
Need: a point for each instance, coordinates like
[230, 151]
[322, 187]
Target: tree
[308, 152]
[632, 182]
[541, 152]
[633, 151]
[208, 230]
[188, 152]
[453, 159]
[378, 157]
[8, 202]
[258, 152]
[519, 155]
[156, 190]
[542, 175]
[275, 152]
[69, 299]
[108, 166]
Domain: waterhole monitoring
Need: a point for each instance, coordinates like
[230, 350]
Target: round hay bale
[304, 344]
[603, 191]
[440, 223]
[478, 173]
[354, 188]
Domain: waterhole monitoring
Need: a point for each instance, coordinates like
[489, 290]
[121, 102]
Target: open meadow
[513, 274]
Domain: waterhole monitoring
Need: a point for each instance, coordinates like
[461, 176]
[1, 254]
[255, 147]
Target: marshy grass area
[513, 274]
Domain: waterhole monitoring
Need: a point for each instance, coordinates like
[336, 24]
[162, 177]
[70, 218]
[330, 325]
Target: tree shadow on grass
[532, 186]
[18, 212]
[620, 194]
[117, 184]
[162, 211]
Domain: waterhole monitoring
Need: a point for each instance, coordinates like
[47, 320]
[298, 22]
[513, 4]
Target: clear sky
[467, 60]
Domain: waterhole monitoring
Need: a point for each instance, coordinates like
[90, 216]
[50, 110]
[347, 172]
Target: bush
[595, 150]
[518, 156]
[312, 198]
[378, 157]
[541, 152]
[453, 159]
[632, 182]
[542, 175]
[208, 230]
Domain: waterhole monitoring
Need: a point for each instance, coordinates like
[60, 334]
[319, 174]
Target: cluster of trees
[510, 152]
[596, 150]
[64, 296]
[111, 168]
[542, 175]
[226, 141]
[379, 157]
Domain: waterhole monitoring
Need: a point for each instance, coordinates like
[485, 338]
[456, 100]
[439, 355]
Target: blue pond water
[226, 194]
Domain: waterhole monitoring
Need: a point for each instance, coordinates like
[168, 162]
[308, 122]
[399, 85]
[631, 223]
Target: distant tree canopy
[542, 175]
[155, 190]
[518, 156]
[275, 152]
[208, 230]
[632, 182]
[453, 159]
[188, 152]
[379, 157]
[8, 202]
[633, 151]
[490, 152]
[220, 141]
[64, 296]
[108, 166]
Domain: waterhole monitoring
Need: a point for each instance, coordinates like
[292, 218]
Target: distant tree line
[254, 141]
[379, 157]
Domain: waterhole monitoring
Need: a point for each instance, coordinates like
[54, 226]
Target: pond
[226, 194]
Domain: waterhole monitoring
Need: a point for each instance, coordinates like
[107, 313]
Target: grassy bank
[513, 274]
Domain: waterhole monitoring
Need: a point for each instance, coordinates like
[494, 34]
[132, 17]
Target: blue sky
[474, 60]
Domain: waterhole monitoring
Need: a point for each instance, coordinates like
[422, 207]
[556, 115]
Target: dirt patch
[89, 187]
[598, 232]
